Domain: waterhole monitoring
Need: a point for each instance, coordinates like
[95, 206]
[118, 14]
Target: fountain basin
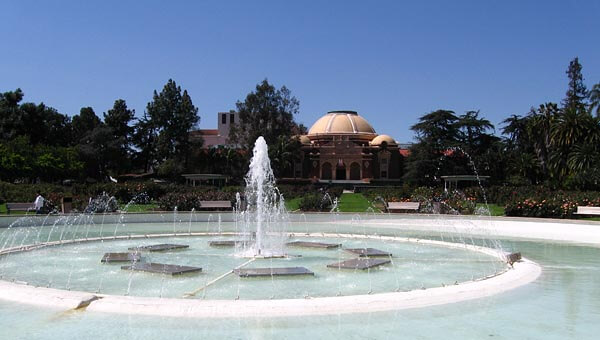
[314, 301]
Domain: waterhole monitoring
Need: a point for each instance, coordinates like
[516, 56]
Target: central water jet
[264, 215]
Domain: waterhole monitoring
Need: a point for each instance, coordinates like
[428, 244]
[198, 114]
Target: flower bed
[561, 205]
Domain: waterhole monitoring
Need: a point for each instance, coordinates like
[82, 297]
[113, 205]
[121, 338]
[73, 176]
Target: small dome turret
[377, 141]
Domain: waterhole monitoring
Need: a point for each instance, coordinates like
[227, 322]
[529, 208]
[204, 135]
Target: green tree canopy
[577, 93]
[40, 123]
[594, 97]
[472, 132]
[267, 112]
[438, 129]
[171, 116]
[84, 123]
[119, 119]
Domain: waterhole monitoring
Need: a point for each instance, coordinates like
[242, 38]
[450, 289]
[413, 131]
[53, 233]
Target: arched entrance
[326, 171]
[354, 171]
[340, 170]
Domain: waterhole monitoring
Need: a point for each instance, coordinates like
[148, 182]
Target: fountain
[264, 215]
[226, 266]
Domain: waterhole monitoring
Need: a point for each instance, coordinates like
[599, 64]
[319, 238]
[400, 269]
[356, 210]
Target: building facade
[343, 146]
[217, 137]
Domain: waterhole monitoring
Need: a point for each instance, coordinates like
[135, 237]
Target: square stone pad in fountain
[368, 252]
[227, 243]
[305, 244]
[121, 257]
[160, 247]
[161, 268]
[258, 272]
[359, 263]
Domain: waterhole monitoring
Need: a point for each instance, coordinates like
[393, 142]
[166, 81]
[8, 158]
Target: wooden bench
[216, 205]
[19, 206]
[403, 206]
[585, 210]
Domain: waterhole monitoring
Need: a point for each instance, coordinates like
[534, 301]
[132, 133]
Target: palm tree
[539, 128]
[283, 154]
[571, 127]
[584, 162]
[524, 165]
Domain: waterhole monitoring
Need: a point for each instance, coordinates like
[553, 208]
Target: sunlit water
[563, 303]
[78, 267]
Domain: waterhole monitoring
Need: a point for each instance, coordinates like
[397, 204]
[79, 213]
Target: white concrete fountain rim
[521, 273]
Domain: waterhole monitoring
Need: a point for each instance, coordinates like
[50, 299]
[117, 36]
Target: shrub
[191, 200]
[314, 200]
[558, 205]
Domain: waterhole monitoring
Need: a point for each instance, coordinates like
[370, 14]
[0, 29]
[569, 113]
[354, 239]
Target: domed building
[343, 146]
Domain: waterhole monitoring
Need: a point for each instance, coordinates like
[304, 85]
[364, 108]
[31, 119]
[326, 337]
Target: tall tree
[515, 128]
[540, 129]
[119, 119]
[10, 114]
[436, 132]
[144, 139]
[85, 122]
[577, 92]
[267, 112]
[594, 97]
[472, 131]
[172, 115]
[438, 129]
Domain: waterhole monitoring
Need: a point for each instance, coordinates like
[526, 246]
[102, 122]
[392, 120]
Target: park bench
[19, 206]
[216, 205]
[585, 210]
[403, 206]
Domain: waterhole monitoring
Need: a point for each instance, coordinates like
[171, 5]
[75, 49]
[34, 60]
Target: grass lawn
[495, 209]
[353, 203]
[591, 218]
[14, 212]
[293, 204]
[139, 207]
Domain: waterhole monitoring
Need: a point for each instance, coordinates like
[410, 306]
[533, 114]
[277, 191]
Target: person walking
[39, 203]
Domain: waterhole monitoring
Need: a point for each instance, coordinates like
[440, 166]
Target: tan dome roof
[343, 122]
[383, 138]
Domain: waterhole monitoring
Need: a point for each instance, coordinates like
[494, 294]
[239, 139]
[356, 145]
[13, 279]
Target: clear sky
[392, 61]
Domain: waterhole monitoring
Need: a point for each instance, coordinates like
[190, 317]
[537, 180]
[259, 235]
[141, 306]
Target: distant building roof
[341, 122]
[205, 132]
[404, 152]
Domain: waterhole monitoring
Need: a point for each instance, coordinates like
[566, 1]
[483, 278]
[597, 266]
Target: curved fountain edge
[522, 273]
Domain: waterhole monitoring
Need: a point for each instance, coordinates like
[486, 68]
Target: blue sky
[391, 61]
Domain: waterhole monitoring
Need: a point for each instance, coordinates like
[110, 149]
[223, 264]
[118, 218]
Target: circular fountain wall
[421, 271]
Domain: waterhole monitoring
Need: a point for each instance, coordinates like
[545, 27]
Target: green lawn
[591, 218]
[353, 203]
[14, 212]
[495, 209]
[293, 204]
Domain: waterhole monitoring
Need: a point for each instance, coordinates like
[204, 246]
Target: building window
[224, 119]
[232, 119]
